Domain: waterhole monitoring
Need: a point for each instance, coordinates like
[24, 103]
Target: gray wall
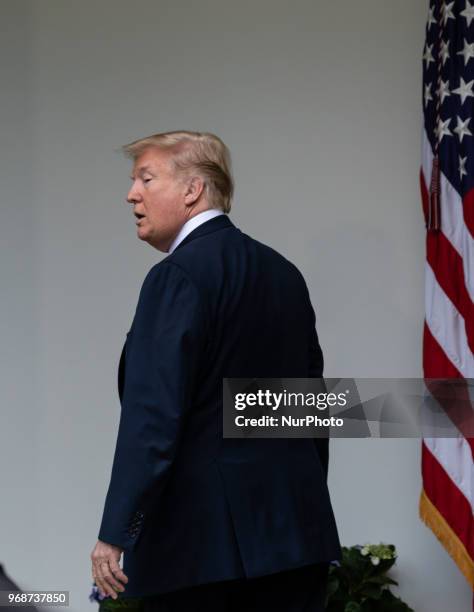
[320, 105]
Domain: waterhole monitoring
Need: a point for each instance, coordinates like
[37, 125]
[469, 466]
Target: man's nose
[133, 195]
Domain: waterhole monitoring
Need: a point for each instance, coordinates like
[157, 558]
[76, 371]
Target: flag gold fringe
[434, 520]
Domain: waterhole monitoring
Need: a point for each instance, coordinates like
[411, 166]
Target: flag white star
[464, 90]
[462, 167]
[427, 95]
[447, 12]
[428, 56]
[467, 52]
[431, 18]
[468, 12]
[444, 51]
[443, 129]
[443, 90]
[461, 129]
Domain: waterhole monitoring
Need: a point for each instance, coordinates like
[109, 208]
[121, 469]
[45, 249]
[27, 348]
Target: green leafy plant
[130, 605]
[359, 582]
[107, 604]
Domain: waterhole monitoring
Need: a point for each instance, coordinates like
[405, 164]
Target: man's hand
[106, 571]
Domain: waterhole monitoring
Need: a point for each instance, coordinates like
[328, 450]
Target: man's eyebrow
[140, 170]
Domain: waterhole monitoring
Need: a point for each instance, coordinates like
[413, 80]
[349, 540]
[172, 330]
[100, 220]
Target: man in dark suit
[208, 523]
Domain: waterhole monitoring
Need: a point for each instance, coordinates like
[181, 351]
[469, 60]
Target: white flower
[365, 551]
[374, 560]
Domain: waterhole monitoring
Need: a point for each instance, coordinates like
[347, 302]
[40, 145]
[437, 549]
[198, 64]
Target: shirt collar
[192, 224]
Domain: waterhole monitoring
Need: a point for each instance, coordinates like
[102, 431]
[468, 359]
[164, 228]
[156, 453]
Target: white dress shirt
[192, 224]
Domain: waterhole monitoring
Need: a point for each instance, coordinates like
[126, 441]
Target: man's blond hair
[200, 152]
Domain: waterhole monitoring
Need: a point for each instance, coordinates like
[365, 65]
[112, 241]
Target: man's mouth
[139, 216]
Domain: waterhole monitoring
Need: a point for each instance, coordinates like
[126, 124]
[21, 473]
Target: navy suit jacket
[186, 505]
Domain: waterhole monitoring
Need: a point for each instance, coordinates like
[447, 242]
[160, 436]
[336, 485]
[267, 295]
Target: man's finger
[109, 579]
[117, 571]
[102, 583]
[103, 589]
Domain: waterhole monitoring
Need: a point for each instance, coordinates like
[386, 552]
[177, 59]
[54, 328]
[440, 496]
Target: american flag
[447, 187]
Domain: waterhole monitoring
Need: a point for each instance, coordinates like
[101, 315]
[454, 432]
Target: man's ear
[194, 188]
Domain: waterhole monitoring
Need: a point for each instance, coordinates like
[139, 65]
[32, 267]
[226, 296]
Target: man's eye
[147, 180]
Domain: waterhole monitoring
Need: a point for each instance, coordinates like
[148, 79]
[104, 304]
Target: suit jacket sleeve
[163, 350]
[316, 367]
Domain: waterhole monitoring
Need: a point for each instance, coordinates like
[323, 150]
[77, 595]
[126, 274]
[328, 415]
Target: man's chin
[142, 234]
[152, 241]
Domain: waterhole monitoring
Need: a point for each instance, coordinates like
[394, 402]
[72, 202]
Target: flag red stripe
[435, 362]
[468, 210]
[448, 499]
